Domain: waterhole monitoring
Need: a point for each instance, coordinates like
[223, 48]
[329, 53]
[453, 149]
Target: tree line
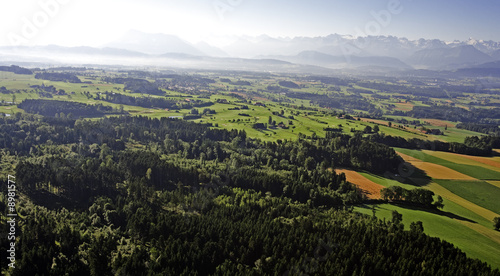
[147, 102]
[471, 146]
[16, 70]
[418, 196]
[54, 108]
[65, 77]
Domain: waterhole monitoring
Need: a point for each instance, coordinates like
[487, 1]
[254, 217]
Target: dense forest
[66, 77]
[147, 102]
[143, 86]
[55, 108]
[491, 129]
[289, 84]
[136, 85]
[4, 90]
[480, 146]
[16, 70]
[140, 196]
[455, 114]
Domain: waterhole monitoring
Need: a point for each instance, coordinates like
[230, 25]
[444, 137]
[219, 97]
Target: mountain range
[320, 53]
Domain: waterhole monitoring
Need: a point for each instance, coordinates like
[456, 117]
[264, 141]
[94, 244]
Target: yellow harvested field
[445, 193]
[370, 188]
[492, 163]
[435, 171]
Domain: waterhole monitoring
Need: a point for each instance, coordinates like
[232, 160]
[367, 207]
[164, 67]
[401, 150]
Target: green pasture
[478, 192]
[443, 225]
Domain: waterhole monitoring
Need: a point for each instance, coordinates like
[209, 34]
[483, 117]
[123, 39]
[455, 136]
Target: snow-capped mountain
[333, 51]
[448, 58]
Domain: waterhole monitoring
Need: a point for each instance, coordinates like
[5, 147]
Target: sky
[97, 22]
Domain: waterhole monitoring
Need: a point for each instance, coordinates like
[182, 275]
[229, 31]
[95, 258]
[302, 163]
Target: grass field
[447, 227]
[494, 183]
[478, 192]
[447, 194]
[305, 123]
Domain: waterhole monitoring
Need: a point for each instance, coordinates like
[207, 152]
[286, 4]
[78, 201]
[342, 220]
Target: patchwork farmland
[470, 201]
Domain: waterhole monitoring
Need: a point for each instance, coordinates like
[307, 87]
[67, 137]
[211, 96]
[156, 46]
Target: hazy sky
[94, 23]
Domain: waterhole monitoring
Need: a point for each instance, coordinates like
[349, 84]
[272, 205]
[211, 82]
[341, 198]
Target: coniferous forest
[139, 196]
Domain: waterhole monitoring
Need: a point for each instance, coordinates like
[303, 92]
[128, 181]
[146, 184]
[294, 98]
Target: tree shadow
[415, 207]
[409, 174]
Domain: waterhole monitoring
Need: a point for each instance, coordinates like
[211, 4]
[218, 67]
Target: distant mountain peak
[447, 58]
[155, 44]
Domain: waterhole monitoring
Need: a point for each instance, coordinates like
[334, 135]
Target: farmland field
[491, 163]
[478, 192]
[464, 195]
[370, 188]
[474, 243]
[477, 171]
[434, 170]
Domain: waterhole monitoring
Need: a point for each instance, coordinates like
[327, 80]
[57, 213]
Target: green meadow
[478, 192]
[445, 226]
